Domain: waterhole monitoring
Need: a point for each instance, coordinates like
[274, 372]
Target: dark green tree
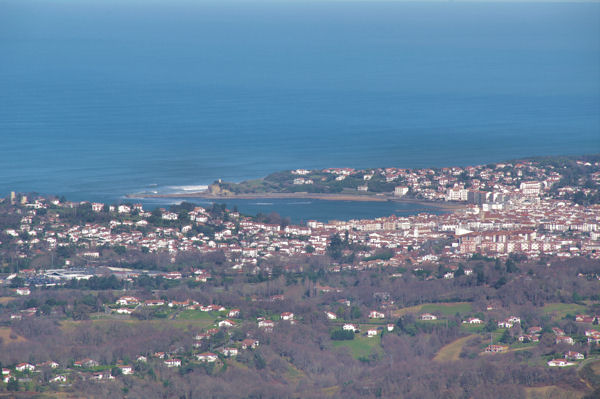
[13, 385]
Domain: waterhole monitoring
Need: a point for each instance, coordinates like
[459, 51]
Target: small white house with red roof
[226, 323]
[51, 364]
[250, 343]
[127, 301]
[560, 363]
[24, 367]
[558, 331]
[287, 316]
[330, 315]
[562, 339]
[535, 330]
[505, 324]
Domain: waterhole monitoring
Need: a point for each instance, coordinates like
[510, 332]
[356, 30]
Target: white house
[400, 191]
[561, 339]
[208, 357]
[86, 363]
[226, 323]
[124, 209]
[266, 324]
[173, 362]
[250, 343]
[229, 352]
[58, 378]
[373, 314]
[287, 316]
[125, 369]
[25, 367]
[49, 363]
[127, 301]
[572, 355]
[169, 216]
[505, 324]
[330, 315]
[560, 363]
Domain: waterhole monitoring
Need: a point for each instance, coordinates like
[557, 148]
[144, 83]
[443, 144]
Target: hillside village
[117, 300]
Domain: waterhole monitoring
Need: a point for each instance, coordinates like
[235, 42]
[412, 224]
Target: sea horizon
[105, 99]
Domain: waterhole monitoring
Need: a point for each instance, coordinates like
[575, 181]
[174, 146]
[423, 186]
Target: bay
[99, 99]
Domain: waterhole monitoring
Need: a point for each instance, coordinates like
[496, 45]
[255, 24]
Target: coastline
[447, 206]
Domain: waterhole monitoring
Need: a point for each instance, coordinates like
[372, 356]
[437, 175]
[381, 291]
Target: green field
[517, 346]
[195, 315]
[360, 346]
[560, 310]
[472, 327]
[447, 309]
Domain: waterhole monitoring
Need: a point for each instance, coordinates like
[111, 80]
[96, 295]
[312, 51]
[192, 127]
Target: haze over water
[103, 98]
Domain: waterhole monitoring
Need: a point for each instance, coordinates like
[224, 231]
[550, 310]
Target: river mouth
[299, 211]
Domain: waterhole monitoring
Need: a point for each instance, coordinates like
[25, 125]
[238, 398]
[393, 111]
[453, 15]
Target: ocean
[99, 99]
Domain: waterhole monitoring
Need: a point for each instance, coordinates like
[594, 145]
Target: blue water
[103, 98]
[299, 211]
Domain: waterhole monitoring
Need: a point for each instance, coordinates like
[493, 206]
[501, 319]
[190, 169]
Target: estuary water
[99, 99]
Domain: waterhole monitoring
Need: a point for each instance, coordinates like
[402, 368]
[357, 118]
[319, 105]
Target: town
[115, 299]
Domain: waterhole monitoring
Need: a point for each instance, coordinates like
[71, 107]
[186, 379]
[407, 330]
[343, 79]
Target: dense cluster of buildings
[502, 215]
[481, 184]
